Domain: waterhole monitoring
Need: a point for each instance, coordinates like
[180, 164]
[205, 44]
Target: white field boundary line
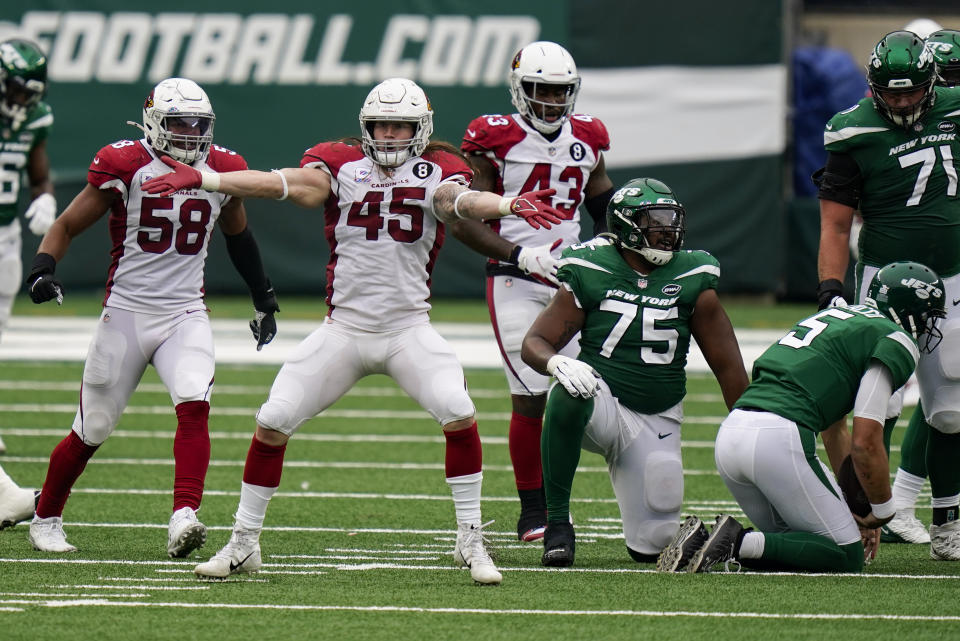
[316, 465]
[186, 567]
[103, 602]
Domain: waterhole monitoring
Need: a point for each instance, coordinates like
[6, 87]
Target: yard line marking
[493, 611]
[187, 568]
[340, 465]
[48, 595]
[101, 586]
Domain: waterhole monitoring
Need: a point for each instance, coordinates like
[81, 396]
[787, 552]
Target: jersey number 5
[191, 235]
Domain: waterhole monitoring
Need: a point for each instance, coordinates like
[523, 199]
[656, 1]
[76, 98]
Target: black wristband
[43, 263]
[826, 290]
[515, 255]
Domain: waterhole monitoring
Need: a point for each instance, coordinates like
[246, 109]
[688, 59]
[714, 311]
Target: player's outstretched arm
[453, 202]
[711, 326]
[305, 187]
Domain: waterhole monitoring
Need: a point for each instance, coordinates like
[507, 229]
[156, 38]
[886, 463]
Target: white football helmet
[175, 107]
[396, 100]
[543, 63]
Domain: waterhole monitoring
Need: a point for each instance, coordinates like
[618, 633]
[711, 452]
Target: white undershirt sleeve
[873, 396]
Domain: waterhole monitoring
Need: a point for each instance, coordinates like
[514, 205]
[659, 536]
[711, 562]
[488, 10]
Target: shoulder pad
[590, 130]
[221, 159]
[494, 132]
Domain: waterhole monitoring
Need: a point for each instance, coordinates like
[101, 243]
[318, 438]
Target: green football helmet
[645, 217]
[945, 47]
[23, 79]
[901, 63]
[912, 296]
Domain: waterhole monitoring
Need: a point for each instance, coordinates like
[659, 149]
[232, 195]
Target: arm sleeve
[245, 256]
[597, 208]
[839, 180]
[873, 396]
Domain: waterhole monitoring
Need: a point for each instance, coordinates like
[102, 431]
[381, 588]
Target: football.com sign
[124, 47]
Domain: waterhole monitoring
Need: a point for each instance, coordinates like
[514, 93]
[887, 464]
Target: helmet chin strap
[656, 256]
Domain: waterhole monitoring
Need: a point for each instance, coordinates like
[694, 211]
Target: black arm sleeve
[840, 180]
[597, 208]
[245, 256]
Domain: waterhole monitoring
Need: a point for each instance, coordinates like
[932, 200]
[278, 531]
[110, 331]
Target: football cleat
[470, 552]
[559, 545]
[240, 555]
[16, 504]
[720, 547]
[689, 539]
[47, 535]
[533, 516]
[945, 541]
[904, 528]
[185, 533]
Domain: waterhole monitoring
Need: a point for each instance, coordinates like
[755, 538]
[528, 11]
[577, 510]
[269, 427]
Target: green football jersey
[909, 200]
[637, 328]
[15, 148]
[812, 374]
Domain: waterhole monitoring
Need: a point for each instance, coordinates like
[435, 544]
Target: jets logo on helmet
[944, 46]
[645, 217]
[23, 80]
[912, 296]
[901, 75]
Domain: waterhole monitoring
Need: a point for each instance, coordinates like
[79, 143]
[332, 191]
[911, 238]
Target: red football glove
[182, 177]
[531, 207]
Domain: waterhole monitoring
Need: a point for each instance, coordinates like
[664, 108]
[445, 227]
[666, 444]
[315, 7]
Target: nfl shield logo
[361, 175]
[552, 151]
[642, 283]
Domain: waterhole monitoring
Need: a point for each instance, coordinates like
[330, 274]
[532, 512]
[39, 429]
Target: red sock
[524, 439]
[464, 454]
[67, 461]
[191, 454]
[264, 464]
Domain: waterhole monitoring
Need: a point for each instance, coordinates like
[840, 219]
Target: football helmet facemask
[901, 63]
[23, 79]
[396, 100]
[945, 47]
[645, 217]
[539, 69]
[912, 296]
[178, 120]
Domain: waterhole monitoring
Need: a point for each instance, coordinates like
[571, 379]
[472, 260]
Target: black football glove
[264, 325]
[41, 283]
[830, 294]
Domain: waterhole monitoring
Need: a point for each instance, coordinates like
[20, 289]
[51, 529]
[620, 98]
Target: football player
[842, 358]
[635, 298]
[384, 199]
[544, 144]
[912, 470]
[16, 503]
[25, 122]
[892, 156]
[154, 310]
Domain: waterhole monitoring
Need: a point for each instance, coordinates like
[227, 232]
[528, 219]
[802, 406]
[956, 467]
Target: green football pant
[564, 423]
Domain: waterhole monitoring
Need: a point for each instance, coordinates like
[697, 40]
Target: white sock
[254, 500]
[906, 489]
[466, 497]
[946, 501]
[752, 546]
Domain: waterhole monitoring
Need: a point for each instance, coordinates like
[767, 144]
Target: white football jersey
[527, 161]
[159, 243]
[383, 234]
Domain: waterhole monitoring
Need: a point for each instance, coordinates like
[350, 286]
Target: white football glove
[539, 263]
[837, 301]
[578, 378]
[41, 213]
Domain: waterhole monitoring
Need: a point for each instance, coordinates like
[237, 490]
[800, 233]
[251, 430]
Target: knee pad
[948, 351]
[278, 415]
[946, 421]
[652, 536]
[663, 482]
[96, 424]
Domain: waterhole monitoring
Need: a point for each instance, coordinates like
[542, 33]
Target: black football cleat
[558, 545]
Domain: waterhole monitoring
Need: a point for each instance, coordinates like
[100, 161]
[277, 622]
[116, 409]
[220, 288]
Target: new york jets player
[636, 299]
[893, 156]
[912, 470]
[841, 358]
[25, 122]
